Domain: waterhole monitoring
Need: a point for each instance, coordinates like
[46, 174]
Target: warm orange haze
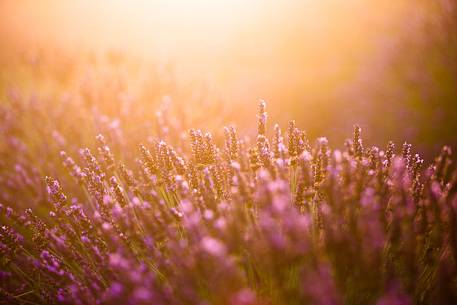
[328, 61]
[240, 152]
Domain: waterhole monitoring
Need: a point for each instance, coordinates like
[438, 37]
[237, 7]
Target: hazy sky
[268, 48]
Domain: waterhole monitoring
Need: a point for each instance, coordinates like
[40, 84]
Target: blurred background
[390, 66]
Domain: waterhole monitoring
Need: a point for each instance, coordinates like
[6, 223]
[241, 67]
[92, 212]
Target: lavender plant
[197, 219]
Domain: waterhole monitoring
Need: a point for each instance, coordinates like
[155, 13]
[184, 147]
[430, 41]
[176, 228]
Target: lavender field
[130, 180]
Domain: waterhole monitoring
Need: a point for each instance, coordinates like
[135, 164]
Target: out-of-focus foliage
[389, 67]
[408, 89]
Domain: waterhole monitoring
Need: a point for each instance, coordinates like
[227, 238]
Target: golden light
[250, 49]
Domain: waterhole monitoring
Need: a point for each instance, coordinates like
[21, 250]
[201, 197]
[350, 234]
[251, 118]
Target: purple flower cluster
[203, 219]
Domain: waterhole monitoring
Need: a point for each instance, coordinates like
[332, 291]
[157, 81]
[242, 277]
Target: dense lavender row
[278, 220]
